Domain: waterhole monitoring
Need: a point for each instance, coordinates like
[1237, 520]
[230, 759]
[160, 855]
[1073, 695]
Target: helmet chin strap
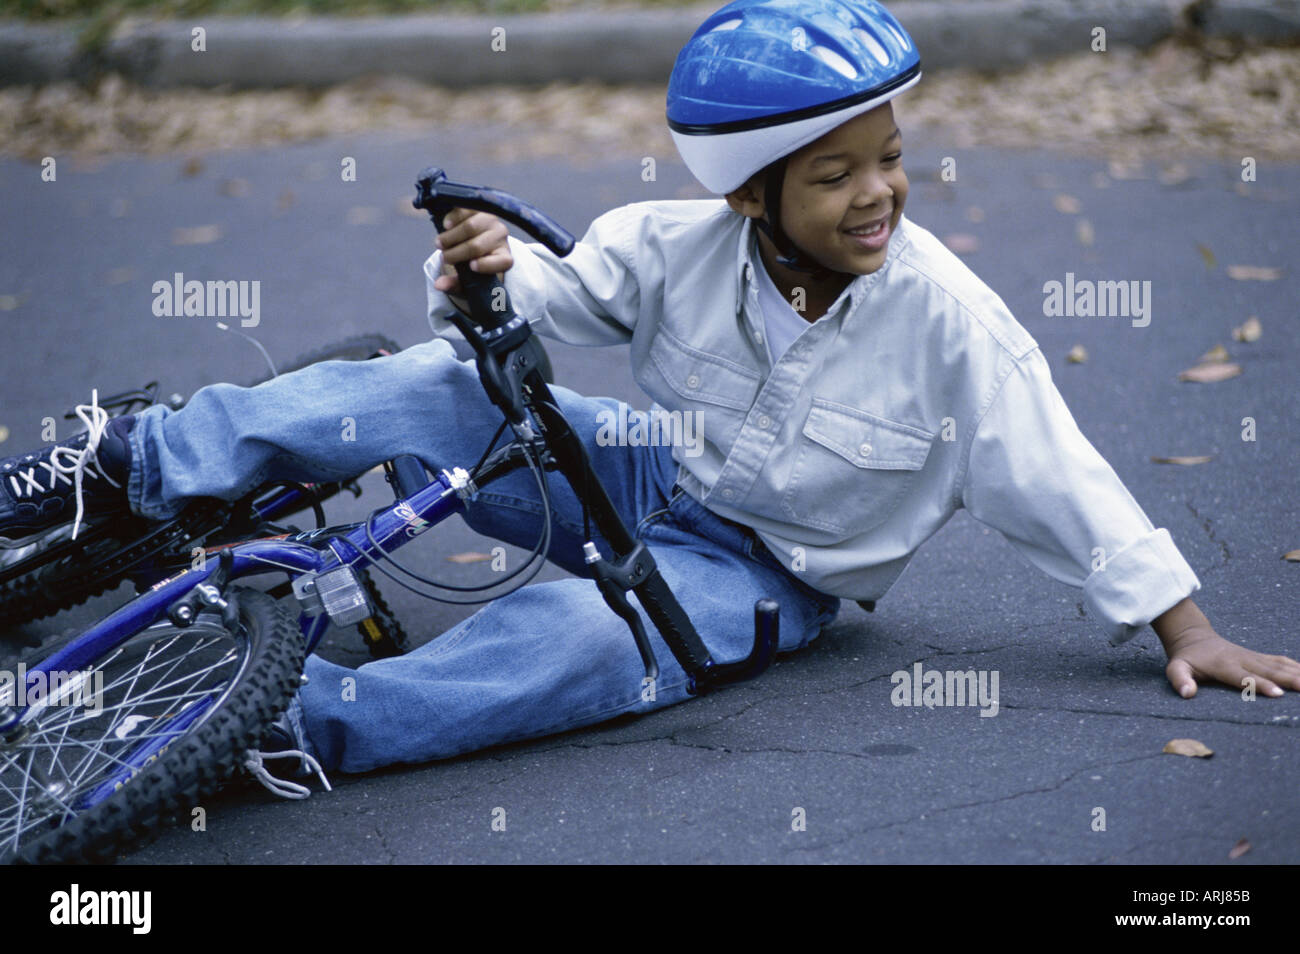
[788, 254]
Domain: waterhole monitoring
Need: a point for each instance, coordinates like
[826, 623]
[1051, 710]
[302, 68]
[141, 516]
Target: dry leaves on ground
[963, 243]
[196, 235]
[1254, 273]
[1249, 331]
[1188, 747]
[1067, 204]
[471, 556]
[1210, 373]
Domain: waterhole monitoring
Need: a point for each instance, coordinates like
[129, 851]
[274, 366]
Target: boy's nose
[873, 189]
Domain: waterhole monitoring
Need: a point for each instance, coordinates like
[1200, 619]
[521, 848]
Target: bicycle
[207, 666]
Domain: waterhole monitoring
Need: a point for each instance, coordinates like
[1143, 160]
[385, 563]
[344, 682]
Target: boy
[853, 382]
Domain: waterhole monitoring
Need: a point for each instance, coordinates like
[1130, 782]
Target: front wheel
[109, 753]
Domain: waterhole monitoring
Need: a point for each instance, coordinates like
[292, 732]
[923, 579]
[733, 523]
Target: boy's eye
[839, 178]
[895, 157]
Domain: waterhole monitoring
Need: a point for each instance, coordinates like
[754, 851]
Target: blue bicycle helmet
[762, 78]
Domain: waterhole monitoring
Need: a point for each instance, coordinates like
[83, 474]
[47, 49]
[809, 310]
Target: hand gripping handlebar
[501, 342]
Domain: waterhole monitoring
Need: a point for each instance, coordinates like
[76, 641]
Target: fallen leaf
[1258, 273]
[196, 235]
[193, 166]
[4, 433]
[1189, 747]
[119, 276]
[974, 213]
[1083, 229]
[1066, 203]
[1186, 461]
[364, 215]
[234, 187]
[1215, 355]
[963, 243]
[286, 199]
[1292, 555]
[1250, 331]
[1239, 849]
[1206, 254]
[1174, 174]
[1120, 169]
[471, 556]
[1210, 373]
[1077, 355]
[9, 302]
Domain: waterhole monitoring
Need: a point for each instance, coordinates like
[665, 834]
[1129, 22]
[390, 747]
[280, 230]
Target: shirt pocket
[852, 469]
[718, 392]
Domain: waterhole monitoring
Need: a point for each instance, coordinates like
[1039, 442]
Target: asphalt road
[1080, 724]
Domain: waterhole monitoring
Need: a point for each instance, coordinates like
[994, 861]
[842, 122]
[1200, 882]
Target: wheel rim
[74, 749]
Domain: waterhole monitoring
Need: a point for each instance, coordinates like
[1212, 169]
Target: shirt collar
[747, 257]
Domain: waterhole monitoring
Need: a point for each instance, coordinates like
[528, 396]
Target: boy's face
[837, 189]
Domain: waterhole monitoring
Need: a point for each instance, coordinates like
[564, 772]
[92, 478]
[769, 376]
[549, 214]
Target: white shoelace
[65, 460]
[253, 762]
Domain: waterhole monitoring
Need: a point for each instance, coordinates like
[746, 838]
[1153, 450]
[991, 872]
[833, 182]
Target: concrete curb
[617, 46]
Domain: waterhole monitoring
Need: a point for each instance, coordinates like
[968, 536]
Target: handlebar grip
[437, 195]
[533, 221]
[673, 623]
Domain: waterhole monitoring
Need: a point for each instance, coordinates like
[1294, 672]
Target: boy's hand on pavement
[478, 238]
[1199, 653]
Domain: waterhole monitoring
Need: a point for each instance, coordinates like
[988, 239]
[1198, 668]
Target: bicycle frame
[391, 528]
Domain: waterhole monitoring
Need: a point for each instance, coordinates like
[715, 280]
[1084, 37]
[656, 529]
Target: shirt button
[758, 336]
[693, 381]
[865, 450]
[728, 493]
[764, 422]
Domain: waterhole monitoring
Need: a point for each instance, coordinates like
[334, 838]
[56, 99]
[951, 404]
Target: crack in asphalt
[383, 843]
[1207, 526]
[1151, 715]
[926, 815]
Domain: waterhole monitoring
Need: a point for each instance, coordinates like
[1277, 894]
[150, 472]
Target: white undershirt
[781, 323]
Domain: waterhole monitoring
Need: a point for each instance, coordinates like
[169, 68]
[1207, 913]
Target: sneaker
[41, 490]
[286, 738]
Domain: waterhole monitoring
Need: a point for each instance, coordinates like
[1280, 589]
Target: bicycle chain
[64, 584]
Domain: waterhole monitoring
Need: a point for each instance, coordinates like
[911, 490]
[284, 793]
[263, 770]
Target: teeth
[868, 231]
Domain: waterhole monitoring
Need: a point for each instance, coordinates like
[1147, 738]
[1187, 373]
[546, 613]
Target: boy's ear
[747, 200]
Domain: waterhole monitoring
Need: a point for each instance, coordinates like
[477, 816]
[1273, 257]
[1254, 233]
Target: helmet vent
[727, 25]
[836, 62]
[873, 46]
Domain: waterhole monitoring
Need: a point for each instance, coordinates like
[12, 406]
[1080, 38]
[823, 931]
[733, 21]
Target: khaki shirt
[916, 394]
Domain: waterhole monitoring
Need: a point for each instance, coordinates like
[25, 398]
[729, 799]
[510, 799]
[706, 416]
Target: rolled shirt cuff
[1137, 584]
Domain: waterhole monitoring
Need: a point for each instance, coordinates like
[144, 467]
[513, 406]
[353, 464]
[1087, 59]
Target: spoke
[150, 696]
[145, 683]
[22, 804]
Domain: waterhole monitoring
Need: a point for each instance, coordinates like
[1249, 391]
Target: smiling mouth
[871, 228]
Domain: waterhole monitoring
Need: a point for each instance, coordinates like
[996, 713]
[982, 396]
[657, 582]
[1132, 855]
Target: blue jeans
[543, 659]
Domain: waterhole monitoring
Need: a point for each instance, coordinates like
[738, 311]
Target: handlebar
[502, 345]
[438, 195]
